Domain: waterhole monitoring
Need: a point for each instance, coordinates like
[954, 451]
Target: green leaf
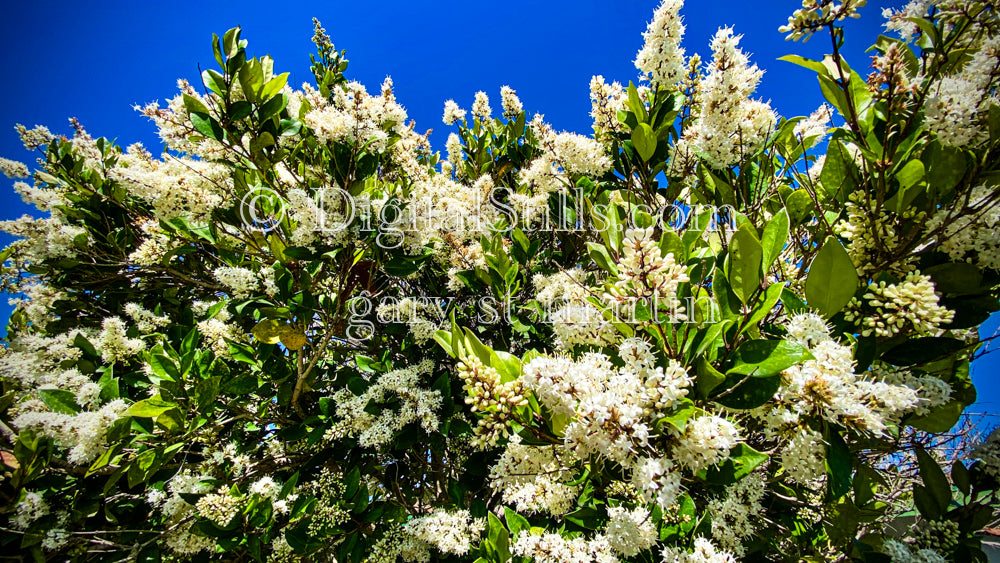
[708, 377]
[960, 476]
[231, 41]
[744, 393]
[599, 254]
[774, 238]
[274, 86]
[515, 522]
[207, 126]
[911, 173]
[940, 419]
[833, 93]
[59, 400]
[764, 305]
[816, 66]
[832, 279]
[839, 463]
[800, 206]
[273, 107]
[922, 350]
[205, 392]
[679, 418]
[150, 408]
[644, 141]
[742, 460]
[194, 105]
[214, 82]
[934, 479]
[956, 277]
[925, 503]
[351, 481]
[586, 517]
[743, 264]
[764, 358]
[268, 331]
[499, 538]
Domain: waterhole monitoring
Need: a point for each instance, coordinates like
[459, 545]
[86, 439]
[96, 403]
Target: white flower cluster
[900, 22]
[145, 320]
[31, 507]
[729, 126]
[970, 231]
[82, 433]
[219, 507]
[804, 456]
[511, 104]
[38, 301]
[872, 236]
[828, 387]
[607, 409]
[609, 412]
[661, 58]
[37, 136]
[114, 344]
[645, 273]
[443, 210]
[704, 552]
[815, 14]
[34, 363]
[665, 387]
[658, 480]
[931, 391]
[51, 237]
[534, 478]
[217, 332]
[575, 320]
[898, 552]
[13, 168]
[154, 246]
[553, 548]
[891, 309]
[320, 217]
[812, 130]
[452, 113]
[988, 452]
[606, 100]
[955, 103]
[734, 515]
[176, 510]
[448, 532]
[706, 441]
[43, 197]
[416, 404]
[416, 315]
[481, 106]
[241, 282]
[357, 118]
[563, 155]
[175, 186]
[630, 532]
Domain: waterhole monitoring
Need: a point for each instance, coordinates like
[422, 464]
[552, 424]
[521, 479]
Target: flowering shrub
[703, 333]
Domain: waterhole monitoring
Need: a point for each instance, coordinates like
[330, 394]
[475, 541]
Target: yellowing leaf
[292, 338]
[268, 331]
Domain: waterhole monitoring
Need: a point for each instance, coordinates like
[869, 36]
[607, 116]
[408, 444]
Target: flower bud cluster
[815, 14]
[494, 400]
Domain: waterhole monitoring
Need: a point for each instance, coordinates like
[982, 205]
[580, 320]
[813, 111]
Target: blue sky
[95, 61]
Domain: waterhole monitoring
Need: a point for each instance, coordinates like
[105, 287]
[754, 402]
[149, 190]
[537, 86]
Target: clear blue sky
[95, 61]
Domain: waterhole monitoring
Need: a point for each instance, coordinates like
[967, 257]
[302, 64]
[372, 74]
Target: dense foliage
[704, 333]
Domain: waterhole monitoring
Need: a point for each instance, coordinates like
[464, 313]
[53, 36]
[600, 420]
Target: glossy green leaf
[832, 279]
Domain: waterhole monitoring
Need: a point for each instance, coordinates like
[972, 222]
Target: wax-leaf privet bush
[705, 333]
